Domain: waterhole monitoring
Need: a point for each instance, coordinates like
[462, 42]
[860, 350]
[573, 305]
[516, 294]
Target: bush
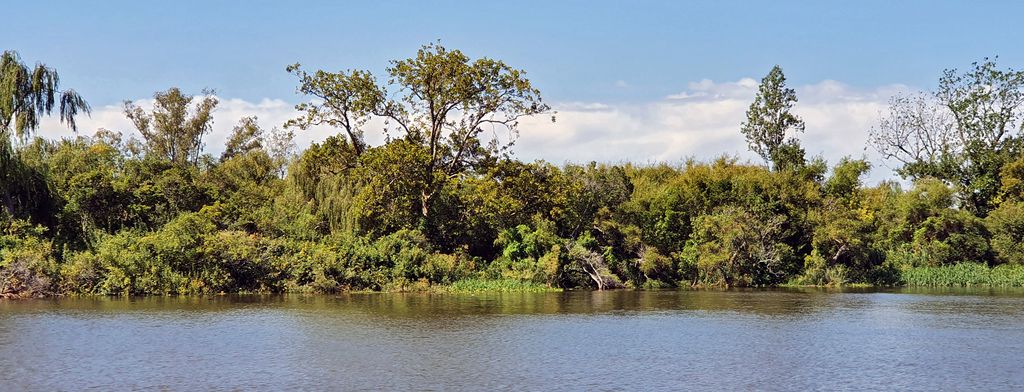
[239, 261]
[445, 269]
[82, 273]
[187, 257]
[529, 254]
[1006, 224]
[134, 268]
[952, 237]
[27, 266]
[1009, 275]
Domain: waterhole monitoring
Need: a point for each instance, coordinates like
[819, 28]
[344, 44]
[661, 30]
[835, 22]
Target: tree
[246, 136]
[245, 185]
[1006, 225]
[769, 121]
[593, 264]
[345, 100]
[28, 94]
[735, 247]
[170, 130]
[449, 105]
[81, 173]
[281, 146]
[842, 227]
[391, 178]
[964, 133]
[587, 190]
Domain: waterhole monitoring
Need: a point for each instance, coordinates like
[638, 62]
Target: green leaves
[343, 100]
[1006, 225]
[174, 129]
[964, 133]
[26, 94]
[769, 121]
[245, 137]
[736, 247]
[446, 116]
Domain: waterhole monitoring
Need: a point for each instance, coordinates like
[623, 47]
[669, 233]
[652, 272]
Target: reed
[473, 285]
[965, 275]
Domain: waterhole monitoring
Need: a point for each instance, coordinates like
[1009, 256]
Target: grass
[475, 285]
[965, 275]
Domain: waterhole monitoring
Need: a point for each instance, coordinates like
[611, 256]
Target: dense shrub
[1006, 224]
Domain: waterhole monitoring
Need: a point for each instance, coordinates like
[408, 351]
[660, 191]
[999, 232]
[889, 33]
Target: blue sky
[575, 50]
[609, 57]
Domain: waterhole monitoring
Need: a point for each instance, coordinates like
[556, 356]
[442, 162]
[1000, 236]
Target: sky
[641, 81]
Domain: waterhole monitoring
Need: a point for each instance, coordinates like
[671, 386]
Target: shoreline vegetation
[443, 206]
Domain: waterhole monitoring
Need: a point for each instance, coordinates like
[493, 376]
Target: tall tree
[769, 121]
[173, 130]
[246, 136]
[448, 102]
[280, 143]
[26, 95]
[344, 100]
[963, 133]
[461, 112]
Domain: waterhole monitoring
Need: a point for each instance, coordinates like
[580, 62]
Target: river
[617, 340]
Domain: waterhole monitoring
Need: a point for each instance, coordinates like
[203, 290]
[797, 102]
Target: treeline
[442, 202]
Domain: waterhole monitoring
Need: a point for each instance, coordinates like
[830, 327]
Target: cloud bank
[699, 122]
[703, 122]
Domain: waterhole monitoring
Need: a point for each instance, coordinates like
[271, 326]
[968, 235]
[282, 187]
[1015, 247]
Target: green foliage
[27, 94]
[965, 274]
[769, 120]
[245, 137]
[1012, 177]
[845, 180]
[443, 102]
[951, 237]
[442, 206]
[174, 129]
[529, 254]
[386, 202]
[736, 247]
[344, 100]
[320, 179]
[245, 185]
[27, 265]
[474, 285]
[1006, 225]
[964, 133]
[24, 189]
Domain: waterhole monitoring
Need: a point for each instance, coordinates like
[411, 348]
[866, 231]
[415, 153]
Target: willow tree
[174, 128]
[26, 95]
[461, 113]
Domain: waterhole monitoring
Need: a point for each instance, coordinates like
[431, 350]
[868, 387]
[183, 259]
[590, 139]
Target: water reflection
[621, 340]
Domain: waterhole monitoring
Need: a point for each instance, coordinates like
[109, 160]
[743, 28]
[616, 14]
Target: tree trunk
[425, 203]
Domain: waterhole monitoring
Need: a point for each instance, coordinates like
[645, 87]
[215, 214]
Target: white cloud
[269, 112]
[701, 122]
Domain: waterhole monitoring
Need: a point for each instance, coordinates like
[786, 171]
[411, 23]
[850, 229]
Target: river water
[619, 340]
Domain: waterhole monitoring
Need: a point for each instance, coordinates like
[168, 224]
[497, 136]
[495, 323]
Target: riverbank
[964, 275]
